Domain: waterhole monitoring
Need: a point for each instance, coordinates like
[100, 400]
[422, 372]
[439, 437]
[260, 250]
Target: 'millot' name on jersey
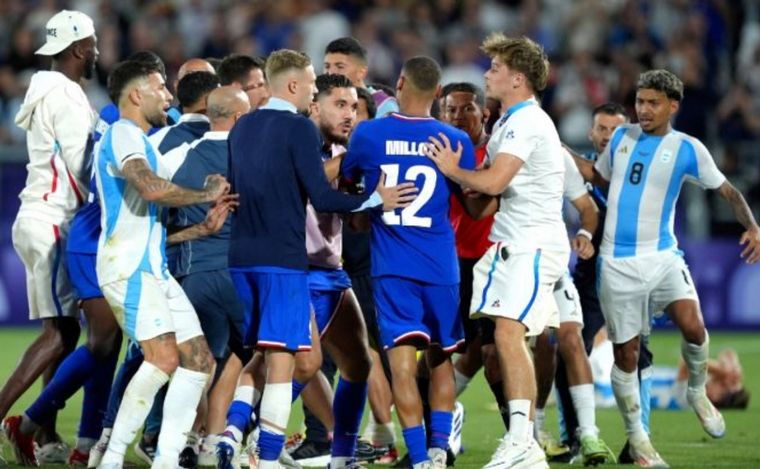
[405, 148]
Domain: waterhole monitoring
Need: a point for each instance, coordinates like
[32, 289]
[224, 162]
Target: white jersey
[58, 121]
[530, 210]
[575, 186]
[646, 173]
[132, 237]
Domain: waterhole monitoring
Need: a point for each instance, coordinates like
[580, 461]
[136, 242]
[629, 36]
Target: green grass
[676, 434]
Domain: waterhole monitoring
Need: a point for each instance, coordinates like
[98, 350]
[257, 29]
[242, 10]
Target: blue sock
[414, 437]
[239, 415]
[96, 392]
[348, 416]
[128, 368]
[297, 390]
[440, 428]
[72, 373]
[270, 445]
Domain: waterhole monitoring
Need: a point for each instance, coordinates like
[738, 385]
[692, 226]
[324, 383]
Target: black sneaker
[625, 454]
[312, 453]
[145, 451]
[365, 452]
[188, 458]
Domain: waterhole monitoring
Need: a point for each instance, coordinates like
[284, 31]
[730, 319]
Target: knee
[509, 333]
[360, 369]
[570, 342]
[307, 365]
[61, 334]
[105, 346]
[165, 359]
[627, 356]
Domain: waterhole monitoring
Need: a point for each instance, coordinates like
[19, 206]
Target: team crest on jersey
[510, 134]
[496, 304]
[666, 156]
[624, 149]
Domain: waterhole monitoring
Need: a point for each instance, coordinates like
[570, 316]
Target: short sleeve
[603, 164]
[575, 187]
[128, 143]
[519, 138]
[708, 174]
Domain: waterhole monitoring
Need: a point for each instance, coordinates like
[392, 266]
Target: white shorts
[568, 301]
[42, 248]
[147, 306]
[518, 286]
[631, 289]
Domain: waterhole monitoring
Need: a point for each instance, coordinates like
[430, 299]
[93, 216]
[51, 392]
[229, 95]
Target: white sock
[583, 401]
[135, 406]
[626, 389]
[182, 398]
[519, 419]
[275, 411]
[461, 380]
[339, 461]
[539, 422]
[695, 357]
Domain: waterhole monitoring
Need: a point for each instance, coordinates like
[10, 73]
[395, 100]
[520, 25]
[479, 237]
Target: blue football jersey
[417, 241]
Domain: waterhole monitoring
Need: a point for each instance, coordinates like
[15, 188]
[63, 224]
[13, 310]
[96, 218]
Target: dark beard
[89, 69]
[157, 120]
[331, 137]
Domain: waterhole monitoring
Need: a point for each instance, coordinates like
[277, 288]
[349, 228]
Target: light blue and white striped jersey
[645, 174]
[132, 238]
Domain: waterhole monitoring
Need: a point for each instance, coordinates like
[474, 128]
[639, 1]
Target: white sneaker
[249, 456]
[437, 458]
[457, 423]
[513, 454]
[56, 452]
[207, 452]
[227, 452]
[710, 417]
[643, 454]
[99, 449]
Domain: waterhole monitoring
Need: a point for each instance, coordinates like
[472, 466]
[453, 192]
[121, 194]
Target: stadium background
[597, 48]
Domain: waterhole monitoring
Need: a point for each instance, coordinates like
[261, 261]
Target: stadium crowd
[220, 221]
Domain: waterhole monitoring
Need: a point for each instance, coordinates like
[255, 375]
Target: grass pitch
[677, 435]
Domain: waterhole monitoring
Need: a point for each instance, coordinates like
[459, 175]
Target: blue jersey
[646, 173]
[189, 127]
[203, 157]
[417, 241]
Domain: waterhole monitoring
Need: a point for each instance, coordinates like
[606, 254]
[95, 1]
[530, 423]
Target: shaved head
[225, 105]
[194, 65]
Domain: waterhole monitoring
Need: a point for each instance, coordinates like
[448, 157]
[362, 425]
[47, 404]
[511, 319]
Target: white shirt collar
[192, 117]
[216, 135]
[279, 104]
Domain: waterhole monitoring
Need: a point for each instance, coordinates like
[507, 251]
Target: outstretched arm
[153, 188]
[751, 237]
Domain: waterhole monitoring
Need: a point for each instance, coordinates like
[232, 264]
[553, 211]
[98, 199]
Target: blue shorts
[83, 276]
[276, 311]
[326, 288]
[419, 313]
[215, 300]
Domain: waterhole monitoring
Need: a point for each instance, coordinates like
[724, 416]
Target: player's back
[416, 241]
[646, 173]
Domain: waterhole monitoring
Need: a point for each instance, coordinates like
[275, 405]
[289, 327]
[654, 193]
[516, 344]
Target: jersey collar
[216, 135]
[192, 117]
[516, 107]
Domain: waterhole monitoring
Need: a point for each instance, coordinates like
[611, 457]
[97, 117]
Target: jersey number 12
[408, 215]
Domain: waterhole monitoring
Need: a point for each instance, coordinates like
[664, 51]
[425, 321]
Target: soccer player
[201, 266]
[346, 56]
[58, 120]
[246, 73]
[641, 270]
[274, 166]
[513, 282]
[414, 267]
[148, 303]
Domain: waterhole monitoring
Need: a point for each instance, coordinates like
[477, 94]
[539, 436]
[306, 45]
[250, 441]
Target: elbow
[495, 189]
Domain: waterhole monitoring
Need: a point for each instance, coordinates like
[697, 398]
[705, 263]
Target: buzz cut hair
[521, 54]
[348, 46]
[329, 81]
[236, 67]
[465, 87]
[661, 80]
[284, 60]
[423, 72]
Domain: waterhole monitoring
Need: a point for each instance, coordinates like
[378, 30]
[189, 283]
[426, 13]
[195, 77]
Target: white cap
[65, 28]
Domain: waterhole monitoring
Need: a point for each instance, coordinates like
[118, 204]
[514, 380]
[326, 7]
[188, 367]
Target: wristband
[585, 234]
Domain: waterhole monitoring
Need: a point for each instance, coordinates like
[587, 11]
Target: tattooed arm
[751, 237]
[156, 189]
[214, 222]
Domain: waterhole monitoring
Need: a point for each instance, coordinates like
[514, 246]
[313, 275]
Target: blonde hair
[284, 60]
[520, 54]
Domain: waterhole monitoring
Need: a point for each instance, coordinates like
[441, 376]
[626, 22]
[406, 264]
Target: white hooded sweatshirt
[58, 121]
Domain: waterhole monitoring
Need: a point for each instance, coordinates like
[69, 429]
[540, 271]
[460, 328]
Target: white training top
[646, 173]
[575, 186]
[58, 121]
[530, 210]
